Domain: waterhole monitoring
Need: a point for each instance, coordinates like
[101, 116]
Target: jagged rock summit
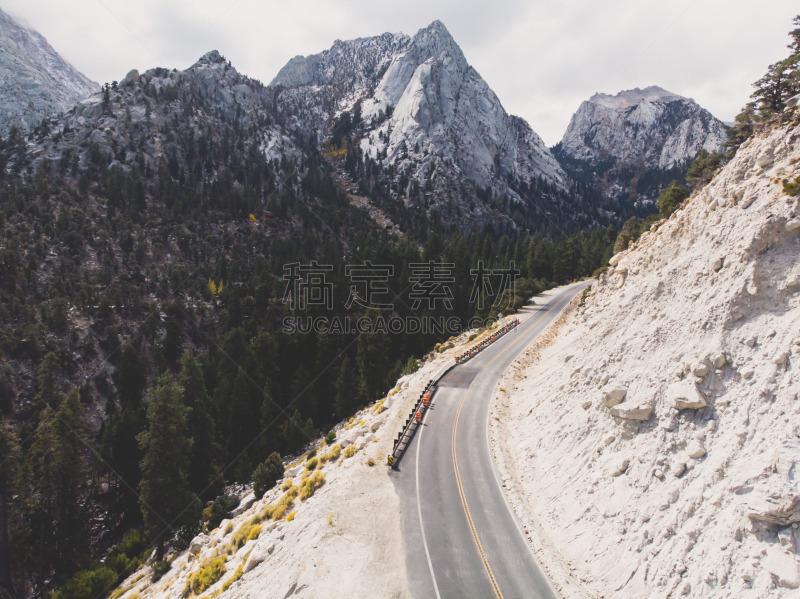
[35, 81]
[632, 143]
[439, 134]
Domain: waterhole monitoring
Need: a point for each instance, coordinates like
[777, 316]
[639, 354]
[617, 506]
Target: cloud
[541, 58]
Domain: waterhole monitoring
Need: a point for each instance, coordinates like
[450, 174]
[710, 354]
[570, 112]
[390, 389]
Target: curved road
[460, 537]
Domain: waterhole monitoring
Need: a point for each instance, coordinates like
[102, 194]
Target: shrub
[792, 188]
[246, 532]
[311, 484]
[311, 453]
[704, 166]
[236, 576]
[287, 484]
[312, 464]
[219, 510]
[671, 197]
[411, 366]
[278, 510]
[370, 462]
[210, 571]
[349, 451]
[330, 438]
[87, 584]
[132, 544]
[267, 474]
[159, 569]
[584, 295]
[334, 453]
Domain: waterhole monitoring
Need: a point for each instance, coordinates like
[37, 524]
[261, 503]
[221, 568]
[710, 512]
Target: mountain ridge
[631, 144]
[36, 81]
[442, 142]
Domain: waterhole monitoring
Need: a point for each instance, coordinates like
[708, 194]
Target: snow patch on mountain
[429, 119]
[35, 81]
[653, 450]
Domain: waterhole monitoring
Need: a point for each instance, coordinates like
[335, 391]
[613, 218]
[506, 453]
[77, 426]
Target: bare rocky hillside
[653, 450]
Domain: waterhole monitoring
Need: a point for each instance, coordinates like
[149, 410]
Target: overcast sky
[542, 58]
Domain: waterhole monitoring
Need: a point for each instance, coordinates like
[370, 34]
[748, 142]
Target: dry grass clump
[246, 532]
[236, 576]
[311, 484]
[334, 453]
[349, 451]
[312, 464]
[210, 571]
[276, 511]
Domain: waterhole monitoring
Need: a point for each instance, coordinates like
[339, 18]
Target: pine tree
[347, 395]
[9, 454]
[372, 359]
[201, 425]
[266, 474]
[50, 482]
[670, 198]
[164, 493]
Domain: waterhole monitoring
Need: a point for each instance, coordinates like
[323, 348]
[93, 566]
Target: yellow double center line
[473, 530]
[459, 484]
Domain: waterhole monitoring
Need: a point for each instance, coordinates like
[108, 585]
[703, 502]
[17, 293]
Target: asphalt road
[461, 539]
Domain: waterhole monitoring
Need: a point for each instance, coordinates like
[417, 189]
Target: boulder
[613, 394]
[780, 358]
[695, 449]
[783, 567]
[792, 225]
[292, 472]
[245, 549]
[765, 158]
[244, 505]
[634, 410]
[258, 555]
[719, 360]
[620, 466]
[699, 369]
[683, 395]
[777, 500]
[197, 544]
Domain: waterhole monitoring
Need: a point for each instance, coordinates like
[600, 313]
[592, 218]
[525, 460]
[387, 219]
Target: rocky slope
[653, 450]
[632, 143]
[35, 82]
[345, 540]
[438, 136]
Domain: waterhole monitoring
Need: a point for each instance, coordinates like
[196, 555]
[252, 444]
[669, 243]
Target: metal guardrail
[410, 426]
[475, 349]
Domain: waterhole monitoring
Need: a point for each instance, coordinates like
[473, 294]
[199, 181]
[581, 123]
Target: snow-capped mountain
[632, 142]
[35, 81]
[416, 113]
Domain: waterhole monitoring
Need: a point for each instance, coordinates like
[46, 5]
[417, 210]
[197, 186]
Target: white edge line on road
[419, 509]
[494, 466]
